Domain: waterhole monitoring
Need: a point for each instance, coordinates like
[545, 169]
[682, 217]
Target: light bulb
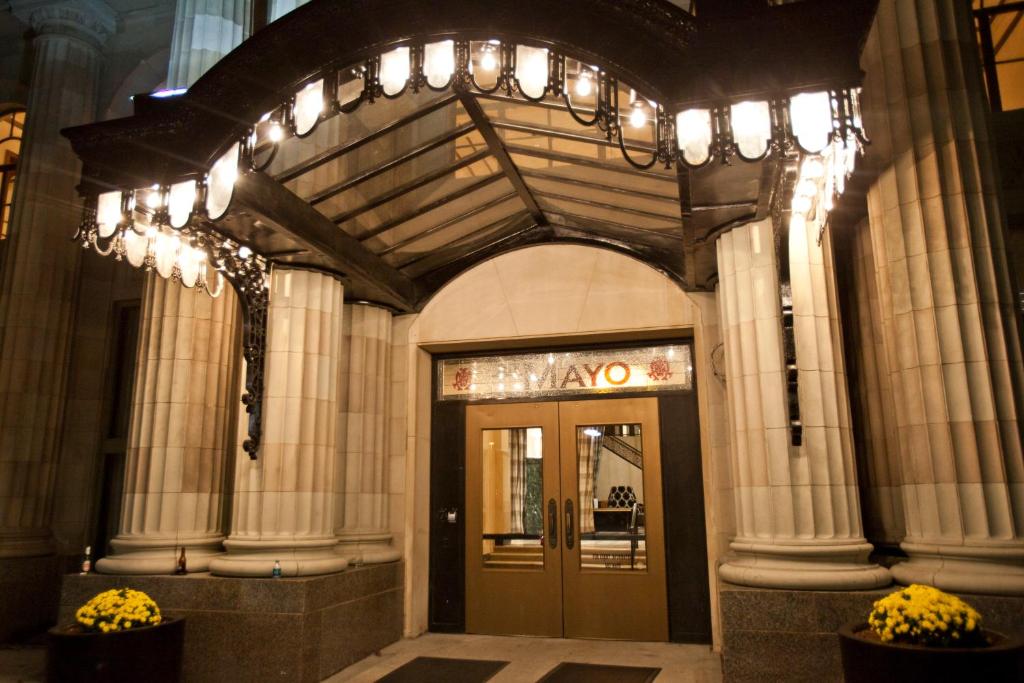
[488, 62]
[585, 83]
[394, 70]
[276, 132]
[638, 117]
[812, 169]
[244, 252]
[806, 188]
[693, 132]
[439, 62]
[532, 70]
[153, 198]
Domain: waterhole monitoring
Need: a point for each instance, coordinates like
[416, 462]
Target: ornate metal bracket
[250, 279]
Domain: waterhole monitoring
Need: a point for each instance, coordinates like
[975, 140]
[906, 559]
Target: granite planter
[871, 661]
[152, 654]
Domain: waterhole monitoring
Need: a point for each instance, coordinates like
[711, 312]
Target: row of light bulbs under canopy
[154, 227]
[749, 129]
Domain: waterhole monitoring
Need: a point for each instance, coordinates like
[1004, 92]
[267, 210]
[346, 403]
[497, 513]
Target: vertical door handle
[553, 523]
[568, 524]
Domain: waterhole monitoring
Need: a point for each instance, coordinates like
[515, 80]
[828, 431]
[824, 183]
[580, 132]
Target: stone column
[797, 512]
[951, 329]
[283, 506]
[361, 514]
[179, 433]
[205, 31]
[871, 389]
[41, 264]
[188, 353]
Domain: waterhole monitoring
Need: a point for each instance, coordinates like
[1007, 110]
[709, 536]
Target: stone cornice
[91, 20]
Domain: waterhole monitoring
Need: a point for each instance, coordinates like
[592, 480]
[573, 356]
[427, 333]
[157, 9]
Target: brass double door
[564, 529]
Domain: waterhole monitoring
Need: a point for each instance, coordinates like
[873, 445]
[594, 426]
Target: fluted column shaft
[283, 506]
[40, 268]
[951, 329]
[879, 466]
[205, 31]
[797, 512]
[361, 517]
[188, 353]
[179, 433]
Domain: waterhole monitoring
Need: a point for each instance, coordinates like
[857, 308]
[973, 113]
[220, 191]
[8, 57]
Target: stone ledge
[790, 635]
[304, 628]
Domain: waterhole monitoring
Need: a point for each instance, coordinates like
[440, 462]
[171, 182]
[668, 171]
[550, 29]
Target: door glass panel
[513, 498]
[611, 497]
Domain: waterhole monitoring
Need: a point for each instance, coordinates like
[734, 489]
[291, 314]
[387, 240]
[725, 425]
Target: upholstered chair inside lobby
[370, 338]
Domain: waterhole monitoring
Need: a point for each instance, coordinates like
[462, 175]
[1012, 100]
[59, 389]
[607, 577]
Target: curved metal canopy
[398, 235]
[400, 197]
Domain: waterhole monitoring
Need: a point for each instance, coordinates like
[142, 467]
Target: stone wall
[788, 635]
[295, 629]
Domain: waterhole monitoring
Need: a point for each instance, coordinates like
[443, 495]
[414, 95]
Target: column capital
[91, 20]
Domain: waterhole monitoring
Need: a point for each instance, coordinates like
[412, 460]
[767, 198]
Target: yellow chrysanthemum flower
[924, 615]
[117, 609]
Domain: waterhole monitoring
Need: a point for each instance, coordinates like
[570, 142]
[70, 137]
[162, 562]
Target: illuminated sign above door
[566, 373]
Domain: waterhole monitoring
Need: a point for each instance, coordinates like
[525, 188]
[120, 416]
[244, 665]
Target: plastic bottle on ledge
[277, 570]
[87, 561]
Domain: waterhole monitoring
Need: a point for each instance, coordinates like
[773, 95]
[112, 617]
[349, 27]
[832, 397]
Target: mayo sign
[562, 373]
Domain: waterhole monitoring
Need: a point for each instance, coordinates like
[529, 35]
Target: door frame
[686, 542]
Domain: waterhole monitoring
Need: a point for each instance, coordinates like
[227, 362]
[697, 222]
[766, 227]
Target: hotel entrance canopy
[398, 143]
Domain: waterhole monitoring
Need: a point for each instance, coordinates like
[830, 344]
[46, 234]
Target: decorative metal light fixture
[172, 228]
[168, 229]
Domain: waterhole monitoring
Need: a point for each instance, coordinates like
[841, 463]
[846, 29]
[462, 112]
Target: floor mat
[572, 672]
[444, 670]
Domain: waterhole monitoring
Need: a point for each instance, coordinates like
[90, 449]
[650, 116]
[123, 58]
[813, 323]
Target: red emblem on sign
[659, 369]
[463, 378]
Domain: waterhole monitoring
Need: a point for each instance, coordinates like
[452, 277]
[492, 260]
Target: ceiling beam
[608, 207]
[588, 163]
[276, 205]
[333, 153]
[414, 184]
[430, 206]
[428, 146]
[567, 135]
[590, 184]
[614, 225]
[497, 147]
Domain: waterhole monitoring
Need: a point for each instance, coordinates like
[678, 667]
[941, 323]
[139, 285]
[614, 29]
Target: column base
[804, 567]
[155, 556]
[995, 569]
[367, 547]
[298, 557]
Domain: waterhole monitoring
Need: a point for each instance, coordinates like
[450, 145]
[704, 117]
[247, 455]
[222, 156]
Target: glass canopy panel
[432, 198]
[437, 239]
[444, 220]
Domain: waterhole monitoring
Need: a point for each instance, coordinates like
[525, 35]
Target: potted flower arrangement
[921, 633]
[118, 635]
